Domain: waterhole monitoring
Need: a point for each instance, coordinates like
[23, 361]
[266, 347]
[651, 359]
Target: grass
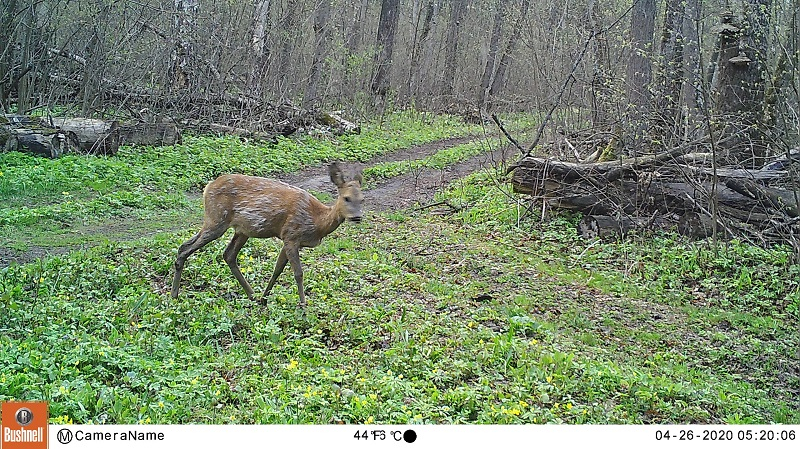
[50, 197]
[480, 316]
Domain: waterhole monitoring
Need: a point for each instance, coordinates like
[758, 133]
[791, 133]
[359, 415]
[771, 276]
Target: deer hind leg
[199, 240]
[230, 254]
[279, 266]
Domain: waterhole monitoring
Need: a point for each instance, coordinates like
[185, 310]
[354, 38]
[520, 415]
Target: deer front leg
[293, 254]
[279, 266]
[230, 255]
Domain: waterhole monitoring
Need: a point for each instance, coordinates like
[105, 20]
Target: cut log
[94, 136]
[241, 132]
[150, 133]
[604, 227]
[41, 143]
[81, 135]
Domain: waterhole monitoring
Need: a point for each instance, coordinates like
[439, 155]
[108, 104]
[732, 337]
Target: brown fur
[263, 208]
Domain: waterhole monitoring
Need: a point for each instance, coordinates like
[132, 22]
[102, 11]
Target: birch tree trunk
[184, 26]
[258, 43]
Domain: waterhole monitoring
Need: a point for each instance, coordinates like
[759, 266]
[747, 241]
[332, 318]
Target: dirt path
[402, 191]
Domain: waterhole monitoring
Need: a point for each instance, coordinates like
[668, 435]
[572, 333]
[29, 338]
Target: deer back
[260, 207]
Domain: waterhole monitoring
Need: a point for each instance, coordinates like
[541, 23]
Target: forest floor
[449, 303]
[397, 192]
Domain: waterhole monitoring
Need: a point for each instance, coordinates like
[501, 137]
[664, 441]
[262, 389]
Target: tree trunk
[739, 85]
[670, 74]
[259, 45]
[457, 9]
[640, 75]
[322, 33]
[692, 93]
[499, 79]
[184, 28]
[602, 97]
[289, 32]
[420, 40]
[24, 80]
[92, 76]
[491, 59]
[355, 36]
[354, 80]
[387, 28]
[8, 11]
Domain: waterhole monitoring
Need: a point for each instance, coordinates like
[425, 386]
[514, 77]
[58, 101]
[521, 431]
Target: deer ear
[357, 177]
[336, 174]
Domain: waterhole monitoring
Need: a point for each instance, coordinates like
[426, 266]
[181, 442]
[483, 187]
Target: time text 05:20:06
[727, 435]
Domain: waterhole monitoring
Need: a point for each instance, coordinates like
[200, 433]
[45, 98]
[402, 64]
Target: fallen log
[696, 226]
[94, 136]
[761, 206]
[605, 227]
[763, 175]
[80, 135]
[242, 132]
[606, 171]
[335, 121]
[783, 201]
[153, 134]
[50, 144]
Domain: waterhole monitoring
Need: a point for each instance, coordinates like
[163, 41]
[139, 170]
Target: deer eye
[347, 198]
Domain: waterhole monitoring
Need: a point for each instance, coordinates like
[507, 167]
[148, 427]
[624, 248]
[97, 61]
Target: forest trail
[398, 192]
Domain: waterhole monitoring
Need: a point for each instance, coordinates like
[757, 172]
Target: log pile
[671, 189]
[52, 137]
[265, 121]
[242, 114]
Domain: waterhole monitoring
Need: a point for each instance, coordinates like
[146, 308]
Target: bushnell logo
[24, 425]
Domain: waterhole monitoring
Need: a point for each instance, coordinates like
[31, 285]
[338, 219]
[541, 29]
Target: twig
[508, 136]
[440, 203]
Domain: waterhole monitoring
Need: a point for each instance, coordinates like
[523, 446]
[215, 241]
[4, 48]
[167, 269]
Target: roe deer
[261, 208]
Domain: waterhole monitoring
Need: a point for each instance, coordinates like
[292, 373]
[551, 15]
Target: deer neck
[331, 217]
